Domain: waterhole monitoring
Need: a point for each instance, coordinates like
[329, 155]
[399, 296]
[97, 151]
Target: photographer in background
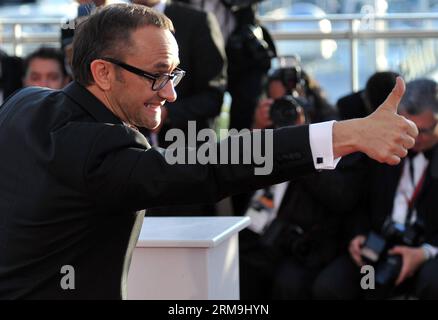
[45, 67]
[396, 229]
[11, 72]
[249, 48]
[295, 82]
[294, 225]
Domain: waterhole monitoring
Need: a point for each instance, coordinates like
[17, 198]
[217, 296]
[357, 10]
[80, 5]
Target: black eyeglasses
[159, 81]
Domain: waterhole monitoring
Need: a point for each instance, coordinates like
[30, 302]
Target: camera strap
[412, 202]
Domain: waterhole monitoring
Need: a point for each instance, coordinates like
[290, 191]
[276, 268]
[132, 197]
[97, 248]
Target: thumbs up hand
[384, 135]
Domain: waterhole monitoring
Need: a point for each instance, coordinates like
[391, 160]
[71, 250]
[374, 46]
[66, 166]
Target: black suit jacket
[318, 203]
[73, 179]
[11, 74]
[202, 55]
[379, 199]
[352, 106]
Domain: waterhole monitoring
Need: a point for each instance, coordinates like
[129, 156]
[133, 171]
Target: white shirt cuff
[430, 251]
[321, 144]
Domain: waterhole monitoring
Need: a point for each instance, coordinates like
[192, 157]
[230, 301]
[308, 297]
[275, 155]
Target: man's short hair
[107, 32]
[378, 87]
[49, 54]
[421, 95]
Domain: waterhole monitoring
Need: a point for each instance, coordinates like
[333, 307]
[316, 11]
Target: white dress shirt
[321, 144]
[405, 192]
[405, 188]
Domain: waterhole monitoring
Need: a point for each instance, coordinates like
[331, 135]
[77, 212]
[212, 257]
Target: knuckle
[412, 142]
[380, 156]
[384, 154]
[393, 149]
[399, 139]
[404, 124]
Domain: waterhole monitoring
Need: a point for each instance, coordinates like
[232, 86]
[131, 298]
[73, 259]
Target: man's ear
[67, 79]
[102, 74]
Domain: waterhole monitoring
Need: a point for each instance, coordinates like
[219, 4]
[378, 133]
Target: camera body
[239, 4]
[247, 49]
[376, 247]
[284, 111]
[291, 77]
[283, 237]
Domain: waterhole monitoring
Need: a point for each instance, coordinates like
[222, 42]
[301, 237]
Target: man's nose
[43, 83]
[168, 92]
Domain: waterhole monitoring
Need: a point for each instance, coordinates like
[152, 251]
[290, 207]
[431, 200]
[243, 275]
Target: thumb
[396, 250]
[393, 99]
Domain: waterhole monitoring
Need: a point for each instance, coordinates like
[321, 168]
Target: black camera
[247, 49]
[284, 111]
[291, 77]
[238, 4]
[376, 247]
[282, 237]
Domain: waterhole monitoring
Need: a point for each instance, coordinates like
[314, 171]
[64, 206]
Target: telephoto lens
[284, 111]
[388, 270]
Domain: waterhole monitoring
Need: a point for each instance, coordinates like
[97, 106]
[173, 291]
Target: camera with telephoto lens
[284, 111]
[376, 247]
[292, 77]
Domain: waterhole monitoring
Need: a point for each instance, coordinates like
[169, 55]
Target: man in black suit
[11, 73]
[400, 196]
[249, 47]
[200, 95]
[362, 103]
[202, 55]
[75, 171]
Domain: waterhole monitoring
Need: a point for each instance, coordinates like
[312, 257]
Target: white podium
[183, 258]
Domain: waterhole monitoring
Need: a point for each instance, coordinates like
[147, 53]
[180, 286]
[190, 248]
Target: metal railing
[357, 27]
[353, 31]
[12, 32]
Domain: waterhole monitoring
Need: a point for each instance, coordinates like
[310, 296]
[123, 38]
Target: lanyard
[413, 200]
